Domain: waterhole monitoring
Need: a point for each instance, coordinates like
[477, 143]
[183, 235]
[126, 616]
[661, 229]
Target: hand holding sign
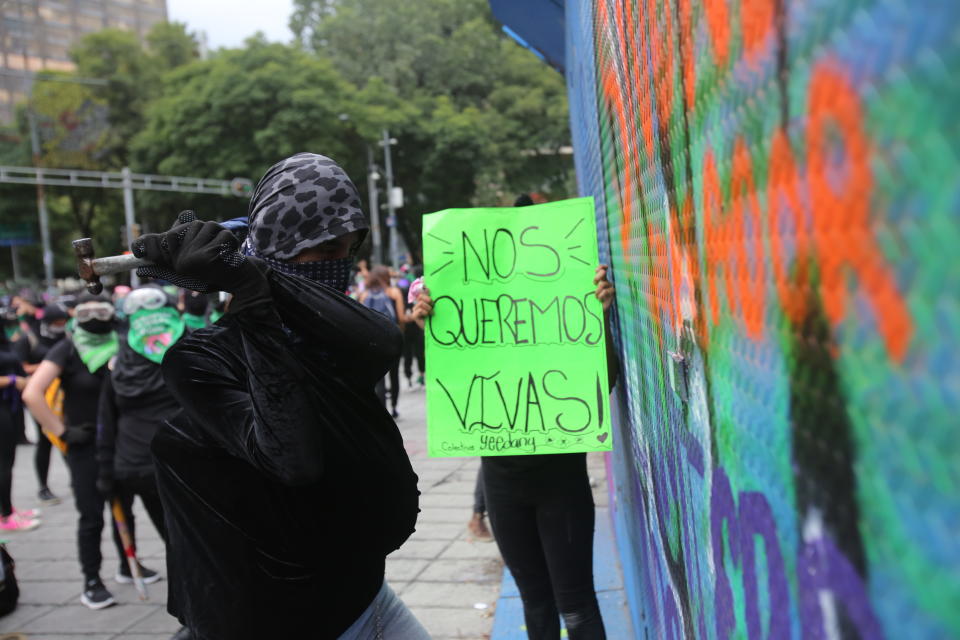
[515, 331]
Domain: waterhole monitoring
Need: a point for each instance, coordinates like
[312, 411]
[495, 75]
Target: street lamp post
[41, 196]
[372, 177]
[387, 142]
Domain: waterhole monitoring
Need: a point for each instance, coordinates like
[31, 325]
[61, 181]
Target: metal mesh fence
[777, 186]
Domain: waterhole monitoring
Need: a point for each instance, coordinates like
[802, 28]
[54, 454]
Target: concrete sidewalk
[450, 582]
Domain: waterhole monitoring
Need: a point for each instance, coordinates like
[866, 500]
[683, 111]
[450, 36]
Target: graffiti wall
[777, 185]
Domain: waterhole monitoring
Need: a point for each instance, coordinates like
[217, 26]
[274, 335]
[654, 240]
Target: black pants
[146, 487]
[81, 459]
[413, 350]
[41, 457]
[9, 436]
[381, 388]
[546, 540]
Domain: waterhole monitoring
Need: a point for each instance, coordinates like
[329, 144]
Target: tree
[170, 45]
[90, 126]
[488, 117]
[238, 113]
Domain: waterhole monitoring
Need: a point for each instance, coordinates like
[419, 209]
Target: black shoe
[95, 595]
[123, 575]
[395, 414]
[183, 634]
[47, 498]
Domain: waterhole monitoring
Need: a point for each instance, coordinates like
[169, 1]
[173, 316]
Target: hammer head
[83, 249]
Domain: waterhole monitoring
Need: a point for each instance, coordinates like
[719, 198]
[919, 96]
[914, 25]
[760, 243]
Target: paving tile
[77, 618]
[157, 622]
[442, 514]
[404, 569]
[45, 550]
[460, 549]
[49, 570]
[438, 531]
[463, 502]
[451, 594]
[458, 487]
[485, 570]
[48, 591]
[424, 549]
[19, 618]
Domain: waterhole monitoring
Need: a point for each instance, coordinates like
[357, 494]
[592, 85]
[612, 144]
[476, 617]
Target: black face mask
[97, 326]
[333, 273]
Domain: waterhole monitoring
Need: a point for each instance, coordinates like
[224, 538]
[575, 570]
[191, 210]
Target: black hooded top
[285, 482]
[134, 403]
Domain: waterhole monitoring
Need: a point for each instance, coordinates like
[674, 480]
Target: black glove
[79, 434]
[201, 256]
[105, 483]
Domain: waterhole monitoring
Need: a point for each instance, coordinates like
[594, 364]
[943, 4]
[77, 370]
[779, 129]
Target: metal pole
[41, 197]
[374, 206]
[392, 219]
[16, 262]
[128, 217]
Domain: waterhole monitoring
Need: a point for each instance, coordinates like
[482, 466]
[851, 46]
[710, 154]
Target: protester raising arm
[257, 390]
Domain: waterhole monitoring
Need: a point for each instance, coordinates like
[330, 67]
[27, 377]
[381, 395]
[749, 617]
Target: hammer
[90, 268]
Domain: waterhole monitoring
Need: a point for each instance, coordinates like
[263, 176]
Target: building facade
[37, 35]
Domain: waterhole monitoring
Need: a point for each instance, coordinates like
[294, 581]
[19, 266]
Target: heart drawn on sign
[603, 437]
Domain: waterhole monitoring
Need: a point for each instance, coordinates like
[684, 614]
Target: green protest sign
[516, 342]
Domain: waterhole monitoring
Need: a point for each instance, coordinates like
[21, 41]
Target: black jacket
[284, 480]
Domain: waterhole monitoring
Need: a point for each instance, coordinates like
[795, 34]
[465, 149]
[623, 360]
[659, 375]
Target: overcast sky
[228, 22]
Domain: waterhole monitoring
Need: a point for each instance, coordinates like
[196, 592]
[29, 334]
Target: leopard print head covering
[299, 203]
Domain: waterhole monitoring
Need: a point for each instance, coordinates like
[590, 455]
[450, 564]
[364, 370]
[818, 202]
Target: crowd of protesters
[244, 393]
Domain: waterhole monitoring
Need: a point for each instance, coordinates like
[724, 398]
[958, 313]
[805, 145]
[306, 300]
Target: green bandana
[215, 315]
[194, 322]
[153, 331]
[95, 349]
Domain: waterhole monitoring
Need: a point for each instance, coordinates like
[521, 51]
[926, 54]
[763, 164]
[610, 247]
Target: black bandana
[300, 203]
[333, 273]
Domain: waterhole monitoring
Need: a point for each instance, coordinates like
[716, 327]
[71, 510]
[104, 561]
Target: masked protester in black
[135, 402]
[12, 382]
[53, 328]
[80, 361]
[284, 481]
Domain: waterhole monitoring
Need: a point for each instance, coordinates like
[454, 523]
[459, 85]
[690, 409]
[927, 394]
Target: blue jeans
[387, 618]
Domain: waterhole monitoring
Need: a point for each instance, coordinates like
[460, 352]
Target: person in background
[80, 361]
[27, 304]
[134, 404]
[12, 382]
[384, 298]
[413, 338]
[53, 329]
[542, 511]
[194, 307]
